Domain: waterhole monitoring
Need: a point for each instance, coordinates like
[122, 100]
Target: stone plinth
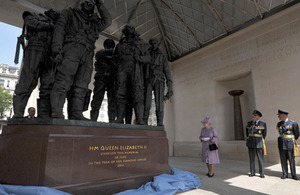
[93, 158]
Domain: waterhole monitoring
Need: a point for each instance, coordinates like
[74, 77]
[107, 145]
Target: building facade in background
[8, 79]
[9, 76]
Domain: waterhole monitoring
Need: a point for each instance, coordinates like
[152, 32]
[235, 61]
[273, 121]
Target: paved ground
[231, 177]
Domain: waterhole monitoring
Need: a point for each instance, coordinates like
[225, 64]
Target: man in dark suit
[288, 134]
[256, 132]
[31, 113]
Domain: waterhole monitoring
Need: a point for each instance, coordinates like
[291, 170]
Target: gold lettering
[141, 159]
[107, 153]
[133, 147]
[131, 152]
[118, 155]
[93, 148]
[109, 148]
[129, 160]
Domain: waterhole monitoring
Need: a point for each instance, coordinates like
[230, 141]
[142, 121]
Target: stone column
[238, 119]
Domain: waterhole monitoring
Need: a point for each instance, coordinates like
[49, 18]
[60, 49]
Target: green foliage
[6, 100]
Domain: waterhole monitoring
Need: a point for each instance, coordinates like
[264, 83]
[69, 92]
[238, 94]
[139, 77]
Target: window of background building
[12, 71]
[2, 83]
[3, 70]
[8, 82]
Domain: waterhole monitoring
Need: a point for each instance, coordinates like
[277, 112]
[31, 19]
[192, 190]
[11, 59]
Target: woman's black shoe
[209, 175]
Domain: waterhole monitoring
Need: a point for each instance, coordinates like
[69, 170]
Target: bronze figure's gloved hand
[168, 95]
[57, 56]
[137, 57]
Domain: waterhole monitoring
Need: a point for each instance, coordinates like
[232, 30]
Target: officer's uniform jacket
[256, 132]
[286, 130]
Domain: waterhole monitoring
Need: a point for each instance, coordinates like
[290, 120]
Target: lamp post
[238, 119]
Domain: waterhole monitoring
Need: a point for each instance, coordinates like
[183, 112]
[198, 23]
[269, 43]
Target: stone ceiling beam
[134, 11]
[161, 29]
[217, 15]
[258, 8]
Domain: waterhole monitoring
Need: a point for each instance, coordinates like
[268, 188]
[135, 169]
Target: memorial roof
[181, 26]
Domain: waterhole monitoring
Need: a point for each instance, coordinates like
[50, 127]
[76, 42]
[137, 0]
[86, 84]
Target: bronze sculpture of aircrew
[47, 77]
[104, 81]
[37, 54]
[131, 54]
[288, 149]
[75, 34]
[256, 132]
[157, 75]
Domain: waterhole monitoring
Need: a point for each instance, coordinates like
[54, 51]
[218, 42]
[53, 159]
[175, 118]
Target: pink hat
[206, 120]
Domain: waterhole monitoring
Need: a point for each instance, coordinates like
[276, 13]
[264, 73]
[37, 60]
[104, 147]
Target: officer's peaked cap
[283, 112]
[256, 112]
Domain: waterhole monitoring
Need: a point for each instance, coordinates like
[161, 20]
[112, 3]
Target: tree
[5, 101]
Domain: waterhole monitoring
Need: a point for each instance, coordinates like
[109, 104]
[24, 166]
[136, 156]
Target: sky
[8, 41]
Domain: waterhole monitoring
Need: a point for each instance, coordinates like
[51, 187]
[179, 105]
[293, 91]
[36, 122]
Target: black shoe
[284, 177]
[262, 176]
[295, 177]
[251, 175]
[209, 175]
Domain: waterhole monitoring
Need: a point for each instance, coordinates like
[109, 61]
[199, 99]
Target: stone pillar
[238, 119]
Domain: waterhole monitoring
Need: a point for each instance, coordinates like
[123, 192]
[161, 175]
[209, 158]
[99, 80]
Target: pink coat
[210, 157]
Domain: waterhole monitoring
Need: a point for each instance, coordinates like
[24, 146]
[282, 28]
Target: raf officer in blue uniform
[288, 149]
[256, 132]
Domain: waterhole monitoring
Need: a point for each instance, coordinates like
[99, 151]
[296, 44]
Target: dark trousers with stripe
[284, 156]
[260, 157]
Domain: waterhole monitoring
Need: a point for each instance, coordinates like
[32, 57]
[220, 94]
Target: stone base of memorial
[81, 157]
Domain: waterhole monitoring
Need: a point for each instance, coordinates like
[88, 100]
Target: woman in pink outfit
[208, 136]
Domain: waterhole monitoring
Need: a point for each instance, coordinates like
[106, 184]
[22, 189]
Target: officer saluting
[288, 149]
[256, 132]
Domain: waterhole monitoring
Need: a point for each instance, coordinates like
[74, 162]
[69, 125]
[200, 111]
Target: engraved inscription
[118, 156]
